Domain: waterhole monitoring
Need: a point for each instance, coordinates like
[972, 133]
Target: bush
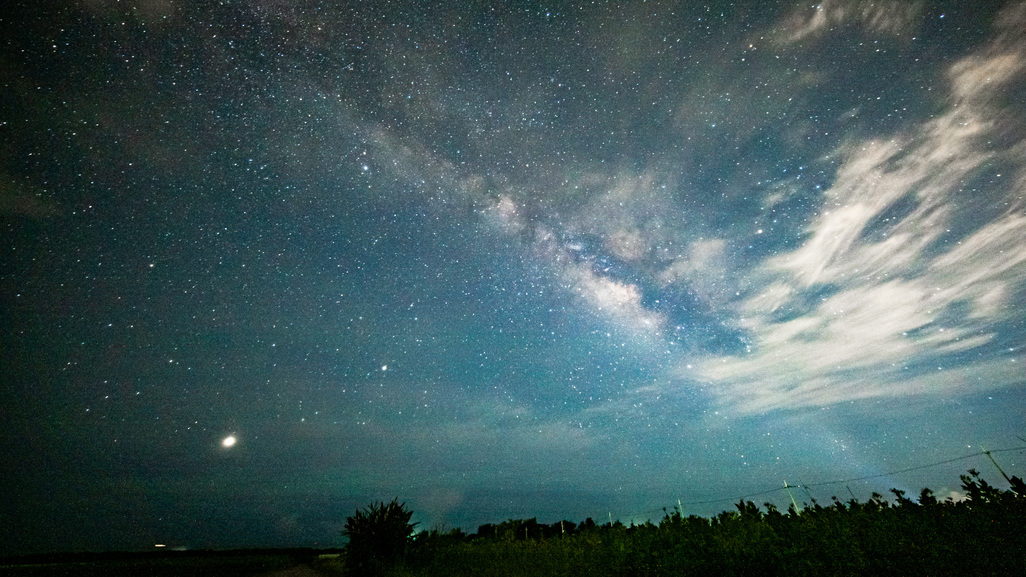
[378, 536]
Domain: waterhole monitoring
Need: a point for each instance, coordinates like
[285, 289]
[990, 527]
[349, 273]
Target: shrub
[378, 536]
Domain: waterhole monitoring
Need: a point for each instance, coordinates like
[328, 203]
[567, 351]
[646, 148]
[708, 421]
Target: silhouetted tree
[926, 498]
[978, 490]
[378, 536]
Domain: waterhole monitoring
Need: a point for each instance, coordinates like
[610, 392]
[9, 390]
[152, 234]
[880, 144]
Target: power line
[927, 466]
[838, 481]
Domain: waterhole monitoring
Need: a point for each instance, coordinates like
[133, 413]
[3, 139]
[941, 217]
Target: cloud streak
[894, 18]
[883, 300]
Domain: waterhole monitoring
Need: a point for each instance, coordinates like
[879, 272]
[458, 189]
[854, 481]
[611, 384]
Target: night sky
[499, 260]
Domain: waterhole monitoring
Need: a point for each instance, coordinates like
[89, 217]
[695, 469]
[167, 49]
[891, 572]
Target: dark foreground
[984, 534]
[247, 563]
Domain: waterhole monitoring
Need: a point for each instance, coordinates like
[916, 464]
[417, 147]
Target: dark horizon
[267, 262]
[163, 550]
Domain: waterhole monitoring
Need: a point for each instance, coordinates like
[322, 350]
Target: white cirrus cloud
[880, 302]
[888, 17]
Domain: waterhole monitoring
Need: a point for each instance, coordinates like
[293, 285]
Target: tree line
[983, 534]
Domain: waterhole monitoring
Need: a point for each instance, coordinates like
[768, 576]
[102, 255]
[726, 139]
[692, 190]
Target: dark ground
[168, 564]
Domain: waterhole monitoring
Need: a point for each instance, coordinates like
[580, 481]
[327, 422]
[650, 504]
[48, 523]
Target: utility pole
[998, 467]
[797, 510]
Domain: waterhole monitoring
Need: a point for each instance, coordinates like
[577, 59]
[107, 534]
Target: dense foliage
[378, 536]
[981, 535]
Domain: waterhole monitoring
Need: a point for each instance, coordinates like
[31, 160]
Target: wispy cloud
[883, 17]
[882, 299]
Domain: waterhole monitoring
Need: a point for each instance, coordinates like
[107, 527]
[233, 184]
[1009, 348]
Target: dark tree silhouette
[980, 535]
[378, 536]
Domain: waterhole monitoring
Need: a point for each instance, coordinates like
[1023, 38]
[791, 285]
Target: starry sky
[499, 260]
